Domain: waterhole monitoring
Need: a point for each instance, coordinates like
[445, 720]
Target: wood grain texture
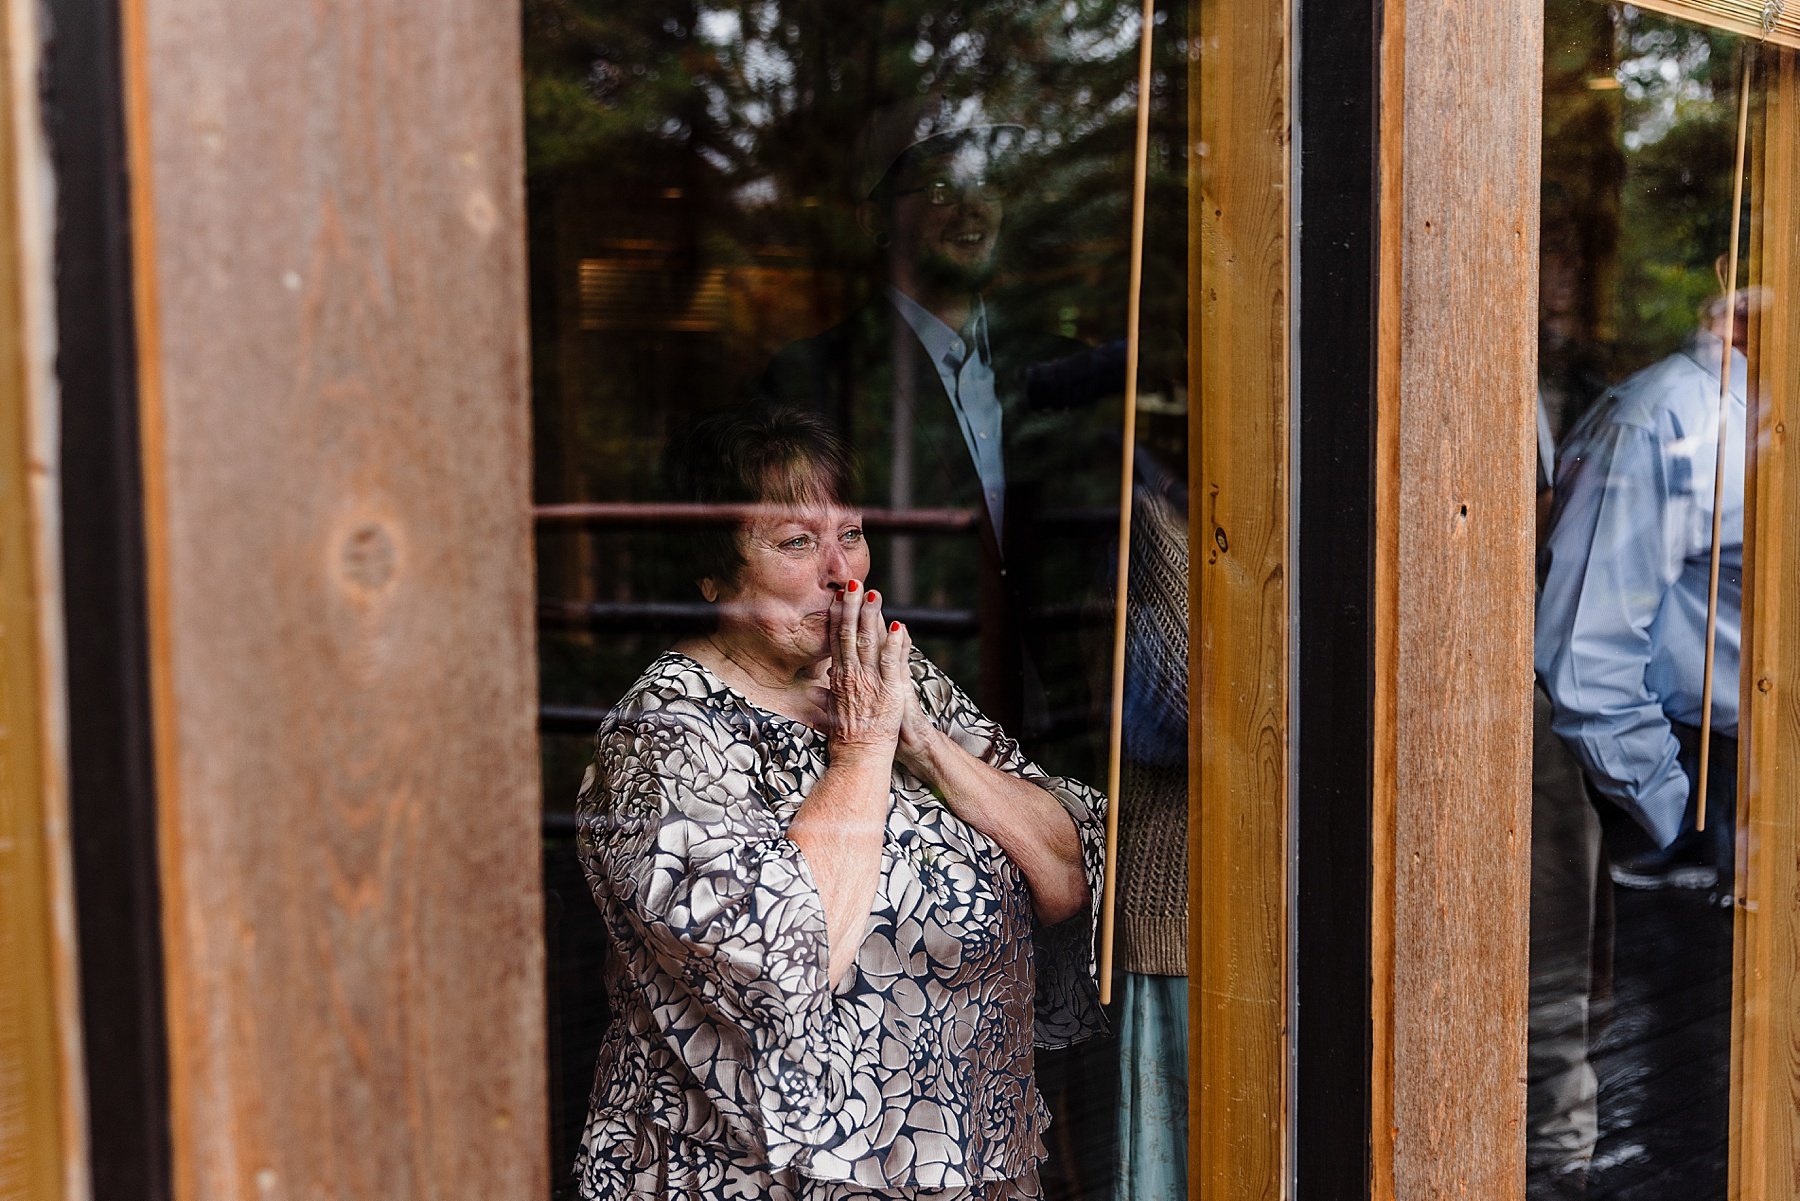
[1765, 1093]
[1460, 146]
[328, 248]
[1739, 16]
[1238, 531]
[39, 1085]
[1383, 787]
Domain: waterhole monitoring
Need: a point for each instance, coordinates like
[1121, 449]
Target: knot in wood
[368, 557]
[481, 214]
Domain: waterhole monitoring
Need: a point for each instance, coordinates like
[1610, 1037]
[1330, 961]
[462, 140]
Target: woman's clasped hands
[872, 699]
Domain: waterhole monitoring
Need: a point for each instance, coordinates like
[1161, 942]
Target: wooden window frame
[1742, 17]
[106, 690]
[1460, 167]
[1447, 598]
[1238, 530]
[1765, 1108]
[1451, 635]
[43, 1146]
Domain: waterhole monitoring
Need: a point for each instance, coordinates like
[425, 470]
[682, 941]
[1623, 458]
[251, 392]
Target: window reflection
[1631, 963]
[909, 220]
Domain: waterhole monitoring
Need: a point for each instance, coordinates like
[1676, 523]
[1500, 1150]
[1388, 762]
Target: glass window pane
[1642, 444]
[759, 231]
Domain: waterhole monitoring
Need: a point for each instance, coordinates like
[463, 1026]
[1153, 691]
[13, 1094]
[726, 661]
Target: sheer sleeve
[1068, 997]
[716, 913]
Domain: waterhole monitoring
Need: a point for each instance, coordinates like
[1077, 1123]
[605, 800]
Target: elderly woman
[824, 872]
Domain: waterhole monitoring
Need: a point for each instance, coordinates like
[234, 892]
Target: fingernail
[873, 596]
[894, 628]
[852, 586]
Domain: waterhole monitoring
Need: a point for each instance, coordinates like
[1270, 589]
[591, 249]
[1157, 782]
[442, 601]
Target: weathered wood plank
[1238, 531]
[1765, 1093]
[327, 230]
[1460, 144]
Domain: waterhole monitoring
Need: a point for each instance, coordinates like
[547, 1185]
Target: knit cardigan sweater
[1151, 920]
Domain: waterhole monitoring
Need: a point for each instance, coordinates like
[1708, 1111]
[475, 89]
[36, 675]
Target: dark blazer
[1036, 590]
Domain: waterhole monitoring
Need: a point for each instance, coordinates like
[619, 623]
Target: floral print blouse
[732, 1067]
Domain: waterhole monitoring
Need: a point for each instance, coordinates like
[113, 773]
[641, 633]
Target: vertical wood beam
[1460, 142]
[42, 1143]
[1765, 1092]
[1239, 596]
[327, 228]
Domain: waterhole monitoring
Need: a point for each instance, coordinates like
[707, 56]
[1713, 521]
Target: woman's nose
[836, 569]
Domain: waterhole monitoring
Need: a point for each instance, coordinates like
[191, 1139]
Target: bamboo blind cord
[1712, 581]
[1116, 734]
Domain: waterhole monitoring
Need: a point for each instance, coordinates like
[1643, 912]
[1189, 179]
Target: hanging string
[1116, 735]
[1728, 287]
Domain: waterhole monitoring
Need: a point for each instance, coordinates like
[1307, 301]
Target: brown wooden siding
[327, 229]
[1460, 150]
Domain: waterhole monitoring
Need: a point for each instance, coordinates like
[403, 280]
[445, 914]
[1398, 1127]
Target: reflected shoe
[1569, 1183]
[1659, 869]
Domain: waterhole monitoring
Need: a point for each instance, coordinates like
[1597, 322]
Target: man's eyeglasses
[942, 192]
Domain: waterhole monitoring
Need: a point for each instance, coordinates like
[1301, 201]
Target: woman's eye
[799, 542]
[853, 534]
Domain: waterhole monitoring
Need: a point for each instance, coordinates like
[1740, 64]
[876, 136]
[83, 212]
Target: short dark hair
[756, 455]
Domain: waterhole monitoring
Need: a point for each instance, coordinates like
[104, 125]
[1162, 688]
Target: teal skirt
[1153, 1089]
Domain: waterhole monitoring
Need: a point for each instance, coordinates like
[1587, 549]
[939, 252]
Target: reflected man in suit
[936, 388]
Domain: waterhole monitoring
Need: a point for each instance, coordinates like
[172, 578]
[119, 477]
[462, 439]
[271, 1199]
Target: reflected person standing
[930, 379]
[1620, 654]
[1621, 624]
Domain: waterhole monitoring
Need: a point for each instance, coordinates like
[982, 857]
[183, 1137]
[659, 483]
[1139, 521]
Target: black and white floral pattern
[733, 1069]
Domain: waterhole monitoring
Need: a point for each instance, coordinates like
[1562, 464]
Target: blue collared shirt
[966, 369]
[1621, 620]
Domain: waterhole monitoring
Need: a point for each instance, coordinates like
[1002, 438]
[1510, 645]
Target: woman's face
[795, 560]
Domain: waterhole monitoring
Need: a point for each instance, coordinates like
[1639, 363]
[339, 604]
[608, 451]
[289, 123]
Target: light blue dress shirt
[966, 369]
[1621, 621]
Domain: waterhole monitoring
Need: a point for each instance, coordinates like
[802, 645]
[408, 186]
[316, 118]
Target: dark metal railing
[632, 515]
[687, 617]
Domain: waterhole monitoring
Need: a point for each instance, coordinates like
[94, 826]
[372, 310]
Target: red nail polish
[852, 586]
[873, 596]
[894, 628]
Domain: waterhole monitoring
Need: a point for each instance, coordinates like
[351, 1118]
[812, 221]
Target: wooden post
[329, 263]
[1765, 1114]
[1239, 547]
[1460, 120]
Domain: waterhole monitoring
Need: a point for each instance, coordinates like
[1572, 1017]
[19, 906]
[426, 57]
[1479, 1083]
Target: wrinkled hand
[871, 682]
